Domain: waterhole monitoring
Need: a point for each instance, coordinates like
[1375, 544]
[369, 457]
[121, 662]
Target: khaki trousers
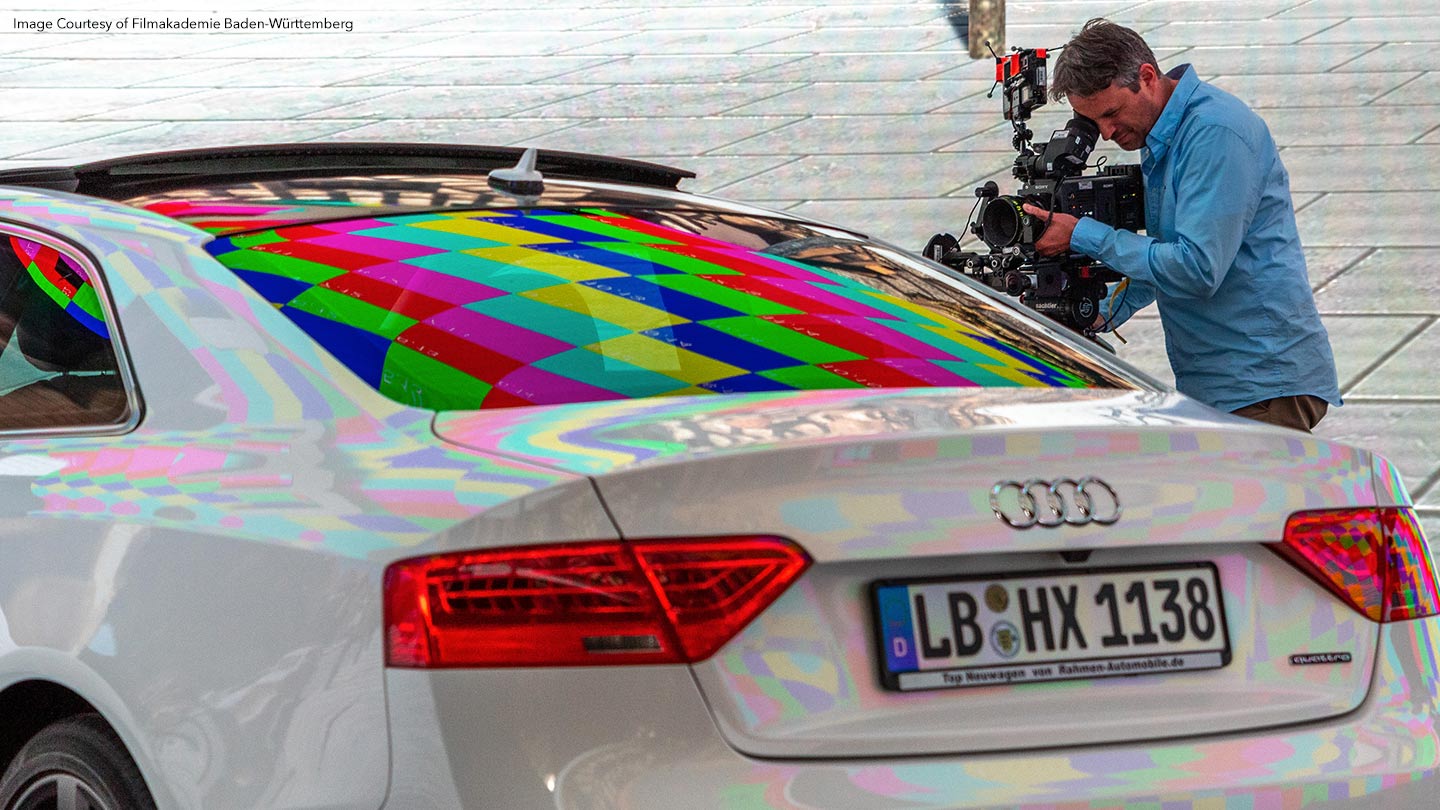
[1301, 412]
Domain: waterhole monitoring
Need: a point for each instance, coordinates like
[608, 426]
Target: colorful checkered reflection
[1411, 573]
[1342, 547]
[63, 281]
[230, 217]
[458, 310]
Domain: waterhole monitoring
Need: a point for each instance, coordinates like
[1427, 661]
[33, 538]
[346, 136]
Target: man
[1222, 256]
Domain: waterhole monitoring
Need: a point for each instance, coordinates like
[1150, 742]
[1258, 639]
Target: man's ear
[1148, 74]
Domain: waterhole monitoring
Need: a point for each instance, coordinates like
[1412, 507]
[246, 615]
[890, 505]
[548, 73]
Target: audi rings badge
[1062, 502]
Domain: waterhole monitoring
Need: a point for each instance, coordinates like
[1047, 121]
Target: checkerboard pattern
[63, 282]
[500, 308]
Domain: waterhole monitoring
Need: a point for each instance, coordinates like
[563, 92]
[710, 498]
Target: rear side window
[457, 310]
[58, 368]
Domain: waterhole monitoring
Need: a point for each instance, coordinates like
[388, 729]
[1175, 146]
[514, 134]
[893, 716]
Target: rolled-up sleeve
[1213, 211]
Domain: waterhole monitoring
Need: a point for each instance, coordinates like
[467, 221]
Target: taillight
[606, 602]
[1374, 558]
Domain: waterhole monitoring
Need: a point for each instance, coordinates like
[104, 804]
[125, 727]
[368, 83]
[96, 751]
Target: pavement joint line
[21, 155]
[777, 94]
[421, 63]
[1416, 77]
[1357, 56]
[1392, 400]
[1425, 486]
[1394, 350]
[777, 127]
[1301, 40]
[1308, 203]
[1353, 262]
[796, 159]
[745, 77]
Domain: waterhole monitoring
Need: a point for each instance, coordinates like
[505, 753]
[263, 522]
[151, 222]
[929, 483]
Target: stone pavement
[868, 114]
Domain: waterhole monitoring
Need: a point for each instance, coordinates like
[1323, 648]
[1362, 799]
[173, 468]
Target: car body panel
[893, 485]
[1385, 754]
[187, 518]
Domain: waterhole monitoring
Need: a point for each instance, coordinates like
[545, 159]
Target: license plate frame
[1031, 669]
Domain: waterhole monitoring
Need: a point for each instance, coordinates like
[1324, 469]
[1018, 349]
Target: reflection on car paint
[398, 487]
[431, 309]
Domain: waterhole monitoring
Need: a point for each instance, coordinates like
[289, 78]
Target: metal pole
[987, 22]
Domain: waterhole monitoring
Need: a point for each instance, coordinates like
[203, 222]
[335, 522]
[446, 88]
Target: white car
[332, 476]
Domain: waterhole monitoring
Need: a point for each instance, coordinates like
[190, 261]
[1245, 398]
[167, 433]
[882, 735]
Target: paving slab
[679, 70]
[62, 73]
[1361, 342]
[1212, 11]
[852, 176]
[1396, 281]
[141, 136]
[275, 103]
[1363, 168]
[865, 67]
[1406, 371]
[868, 15]
[907, 223]
[692, 100]
[1391, 218]
[477, 104]
[507, 43]
[712, 172]
[1255, 32]
[1378, 29]
[862, 40]
[1356, 126]
[1242, 60]
[489, 70]
[861, 134]
[718, 16]
[668, 135]
[842, 98]
[1324, 264]
[1347, 8]
[1338, 92]
[493, 132]
[282, 73]
[624, 43]
[28, 137]
[67, 104]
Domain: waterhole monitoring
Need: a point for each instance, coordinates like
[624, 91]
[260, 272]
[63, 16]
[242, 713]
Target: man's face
[1124, 116]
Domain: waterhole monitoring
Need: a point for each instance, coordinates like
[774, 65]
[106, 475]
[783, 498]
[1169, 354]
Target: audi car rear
[586, 492]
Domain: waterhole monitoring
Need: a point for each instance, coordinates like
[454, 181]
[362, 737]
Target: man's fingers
[1033, 210]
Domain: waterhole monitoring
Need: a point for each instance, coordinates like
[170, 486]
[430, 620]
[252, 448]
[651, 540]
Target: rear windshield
[459, 310]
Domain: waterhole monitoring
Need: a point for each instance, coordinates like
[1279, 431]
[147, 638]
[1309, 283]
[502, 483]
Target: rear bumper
[641, 738]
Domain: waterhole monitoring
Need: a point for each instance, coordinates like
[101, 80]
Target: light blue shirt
[1221, 257]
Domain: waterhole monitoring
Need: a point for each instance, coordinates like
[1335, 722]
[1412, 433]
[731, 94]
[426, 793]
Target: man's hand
[1056, 238]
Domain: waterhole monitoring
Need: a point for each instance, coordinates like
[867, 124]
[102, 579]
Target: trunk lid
[895, 488]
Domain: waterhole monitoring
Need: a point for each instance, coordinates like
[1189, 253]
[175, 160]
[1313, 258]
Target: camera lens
[1001, 221]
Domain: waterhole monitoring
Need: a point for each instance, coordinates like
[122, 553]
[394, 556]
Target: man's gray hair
[1102, 54]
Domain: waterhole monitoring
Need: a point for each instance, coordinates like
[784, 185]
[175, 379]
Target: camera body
[1066, 288]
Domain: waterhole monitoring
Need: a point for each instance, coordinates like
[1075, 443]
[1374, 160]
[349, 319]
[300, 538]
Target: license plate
[1049, 626]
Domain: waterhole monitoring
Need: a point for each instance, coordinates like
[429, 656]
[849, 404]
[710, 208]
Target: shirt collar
[1158, 141]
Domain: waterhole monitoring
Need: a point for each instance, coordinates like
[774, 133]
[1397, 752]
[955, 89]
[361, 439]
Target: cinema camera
[1066, 288]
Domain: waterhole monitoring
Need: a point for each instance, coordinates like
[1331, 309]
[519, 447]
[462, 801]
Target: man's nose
[1107, 131]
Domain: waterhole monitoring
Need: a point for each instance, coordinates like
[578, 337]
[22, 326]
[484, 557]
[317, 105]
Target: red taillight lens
[1374, 558]
[642, 602]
